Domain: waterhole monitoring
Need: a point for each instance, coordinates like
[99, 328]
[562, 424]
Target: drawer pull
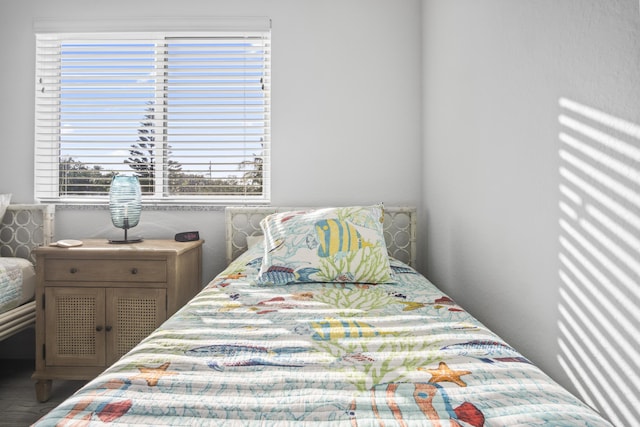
[98, 328]
[108, 328]
[134, 271]
[73, 270]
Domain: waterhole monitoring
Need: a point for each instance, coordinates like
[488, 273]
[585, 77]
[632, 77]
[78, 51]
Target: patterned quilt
[10, 283]
[322, 354]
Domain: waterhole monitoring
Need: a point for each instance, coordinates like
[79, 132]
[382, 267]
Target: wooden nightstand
[96, 301]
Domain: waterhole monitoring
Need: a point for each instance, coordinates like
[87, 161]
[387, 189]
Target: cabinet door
[74, 326]
[132, 314]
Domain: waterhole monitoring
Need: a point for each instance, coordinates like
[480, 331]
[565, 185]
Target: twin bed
[22, 228]
[311, 325]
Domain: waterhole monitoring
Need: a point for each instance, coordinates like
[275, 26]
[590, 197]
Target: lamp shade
[125, 201]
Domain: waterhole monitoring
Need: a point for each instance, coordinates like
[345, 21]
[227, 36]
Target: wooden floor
[18, 404]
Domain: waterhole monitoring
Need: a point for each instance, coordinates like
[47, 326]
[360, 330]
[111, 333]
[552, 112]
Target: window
[188, 113]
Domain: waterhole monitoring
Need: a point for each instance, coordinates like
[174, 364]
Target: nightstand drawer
[93, 270]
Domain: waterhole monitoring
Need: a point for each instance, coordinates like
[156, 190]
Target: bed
[22, 228]
[284, 337]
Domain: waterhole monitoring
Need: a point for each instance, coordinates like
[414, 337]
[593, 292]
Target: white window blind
[188, 113]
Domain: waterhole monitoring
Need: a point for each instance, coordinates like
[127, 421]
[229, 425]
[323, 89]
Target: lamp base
[125, 241]
[126, 236]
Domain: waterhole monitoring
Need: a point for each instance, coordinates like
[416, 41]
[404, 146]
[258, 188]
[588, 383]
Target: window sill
[190, 207]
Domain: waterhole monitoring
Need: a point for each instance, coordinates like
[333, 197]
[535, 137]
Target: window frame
[197, 27]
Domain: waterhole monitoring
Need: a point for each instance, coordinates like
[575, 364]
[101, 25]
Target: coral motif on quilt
[430, 401]
[106, 403]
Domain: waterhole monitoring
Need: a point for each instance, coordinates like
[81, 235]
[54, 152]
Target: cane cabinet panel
[96, 301]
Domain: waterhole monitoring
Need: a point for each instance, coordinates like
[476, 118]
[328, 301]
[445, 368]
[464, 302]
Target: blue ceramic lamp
[125, 205]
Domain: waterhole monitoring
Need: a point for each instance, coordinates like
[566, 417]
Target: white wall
[345, 110]
[531, 197]
[498, 76]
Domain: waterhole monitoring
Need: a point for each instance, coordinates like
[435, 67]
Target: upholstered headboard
[24, 228]
[399, 229]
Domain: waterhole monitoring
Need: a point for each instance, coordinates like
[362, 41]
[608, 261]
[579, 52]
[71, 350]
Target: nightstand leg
[43, 390]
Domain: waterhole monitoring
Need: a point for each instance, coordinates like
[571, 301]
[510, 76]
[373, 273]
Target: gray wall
[531, 194]
[345, 109]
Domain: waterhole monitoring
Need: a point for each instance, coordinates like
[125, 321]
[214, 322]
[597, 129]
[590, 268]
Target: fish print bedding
[398, 353]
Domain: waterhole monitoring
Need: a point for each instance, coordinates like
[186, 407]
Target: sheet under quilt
[17, 282]
[314, 354]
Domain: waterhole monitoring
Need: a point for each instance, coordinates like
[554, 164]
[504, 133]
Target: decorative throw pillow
[5, 199]
[344, 244]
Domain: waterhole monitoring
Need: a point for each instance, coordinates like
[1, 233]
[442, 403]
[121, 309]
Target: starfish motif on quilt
[153, 375]
[446, 374]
